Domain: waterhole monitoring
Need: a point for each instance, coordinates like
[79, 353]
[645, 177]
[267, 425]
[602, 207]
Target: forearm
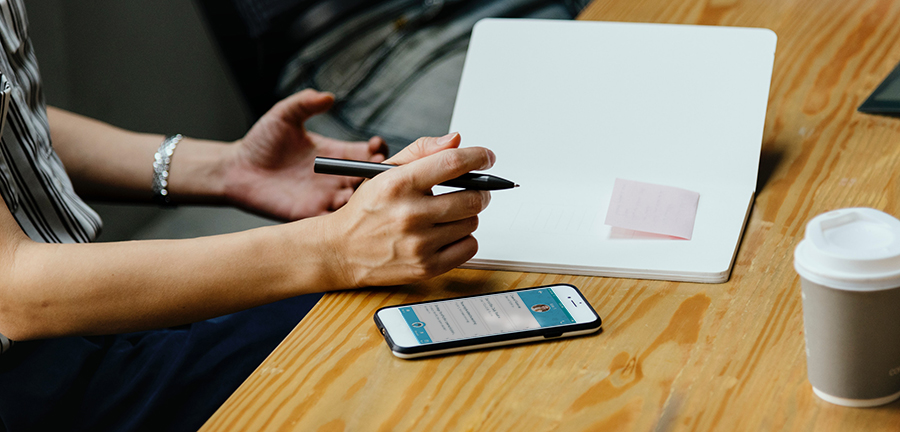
[109, 163]
[56, 290]
[392, 231]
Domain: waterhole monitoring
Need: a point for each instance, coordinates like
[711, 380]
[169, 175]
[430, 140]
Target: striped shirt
[33, 182]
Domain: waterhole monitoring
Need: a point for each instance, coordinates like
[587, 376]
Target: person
[393, 65]
[540, 308]
[154, 335]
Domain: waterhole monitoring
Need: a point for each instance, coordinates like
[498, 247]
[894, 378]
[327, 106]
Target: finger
[447, 233]
[425, 146]
[302, 105]
[373, 150]
[341, 198]
[351, 182]
[378, 148]
[455, 254]
[457, 205]
[341, 146]
[432, 170]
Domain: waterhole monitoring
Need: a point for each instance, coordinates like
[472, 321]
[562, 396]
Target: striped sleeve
[5, 343]
[33, 182]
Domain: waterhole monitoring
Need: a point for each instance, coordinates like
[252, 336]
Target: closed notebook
[570, 107]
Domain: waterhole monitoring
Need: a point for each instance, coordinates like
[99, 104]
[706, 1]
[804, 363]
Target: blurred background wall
[148, 66]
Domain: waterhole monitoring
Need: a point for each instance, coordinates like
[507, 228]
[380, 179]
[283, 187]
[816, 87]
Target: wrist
[315, 259]
[162, 159]
[235, 183]
[197, 172]
[338, 268]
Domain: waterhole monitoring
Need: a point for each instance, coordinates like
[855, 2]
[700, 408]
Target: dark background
[148, 66]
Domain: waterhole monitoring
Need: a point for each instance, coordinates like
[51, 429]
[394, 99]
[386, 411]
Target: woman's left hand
[271, 168]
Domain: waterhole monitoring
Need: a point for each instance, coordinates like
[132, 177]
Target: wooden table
[672, 356]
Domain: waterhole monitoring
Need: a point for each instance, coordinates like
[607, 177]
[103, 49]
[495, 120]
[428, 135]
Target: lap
[170, 379]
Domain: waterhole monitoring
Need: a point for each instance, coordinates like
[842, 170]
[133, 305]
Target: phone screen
[492, 314]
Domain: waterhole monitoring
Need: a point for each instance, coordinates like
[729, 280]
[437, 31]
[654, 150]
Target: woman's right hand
[395, 231]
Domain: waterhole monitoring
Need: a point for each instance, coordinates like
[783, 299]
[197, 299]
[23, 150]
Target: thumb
[425, 146]
[302, 105]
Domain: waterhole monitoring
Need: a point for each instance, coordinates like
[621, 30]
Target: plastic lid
[855, 249]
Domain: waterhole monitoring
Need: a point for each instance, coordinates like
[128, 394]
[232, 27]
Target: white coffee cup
[849, 266]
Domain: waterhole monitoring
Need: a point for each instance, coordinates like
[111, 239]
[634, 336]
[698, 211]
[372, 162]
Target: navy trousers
[162, 380]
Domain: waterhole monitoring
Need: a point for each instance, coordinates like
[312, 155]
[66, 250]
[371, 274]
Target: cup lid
[854, 249]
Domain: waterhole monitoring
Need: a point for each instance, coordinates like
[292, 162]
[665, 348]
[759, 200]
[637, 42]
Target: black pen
[354, 168]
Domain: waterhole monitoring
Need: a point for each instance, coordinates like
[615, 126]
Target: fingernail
[442, 141]
[491, 157]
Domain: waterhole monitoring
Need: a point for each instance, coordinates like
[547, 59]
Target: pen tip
[516, 186]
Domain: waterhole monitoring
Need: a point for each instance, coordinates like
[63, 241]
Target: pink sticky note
[653, 208]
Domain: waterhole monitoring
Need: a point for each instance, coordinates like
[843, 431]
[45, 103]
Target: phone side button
[552, 335]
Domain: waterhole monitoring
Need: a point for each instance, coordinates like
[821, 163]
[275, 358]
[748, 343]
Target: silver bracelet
[161, 161]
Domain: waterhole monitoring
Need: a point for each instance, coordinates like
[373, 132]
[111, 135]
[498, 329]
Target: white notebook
[571, 106]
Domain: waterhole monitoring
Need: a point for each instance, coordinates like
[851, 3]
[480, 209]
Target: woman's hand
[394, 230]
[271, 168]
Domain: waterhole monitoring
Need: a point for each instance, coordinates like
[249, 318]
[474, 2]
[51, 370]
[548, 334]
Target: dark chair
[256, 37]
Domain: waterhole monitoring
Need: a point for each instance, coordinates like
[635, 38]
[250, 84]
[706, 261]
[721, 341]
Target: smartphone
[486, 320]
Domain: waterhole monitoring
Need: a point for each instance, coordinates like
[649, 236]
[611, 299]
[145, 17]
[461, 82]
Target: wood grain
[672, 356]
